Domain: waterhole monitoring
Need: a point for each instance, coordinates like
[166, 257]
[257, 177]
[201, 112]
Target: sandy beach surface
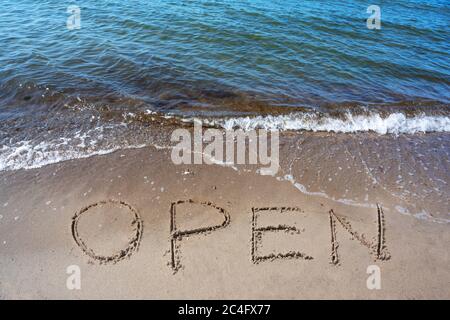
[137, 226]
[94, 204]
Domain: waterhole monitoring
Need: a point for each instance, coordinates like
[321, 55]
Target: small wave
[27, 156]
[395, 123]
[32, 154]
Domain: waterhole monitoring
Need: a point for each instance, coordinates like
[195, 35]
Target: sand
[137, 226]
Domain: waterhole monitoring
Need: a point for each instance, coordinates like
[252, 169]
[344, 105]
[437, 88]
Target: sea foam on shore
[395, 123]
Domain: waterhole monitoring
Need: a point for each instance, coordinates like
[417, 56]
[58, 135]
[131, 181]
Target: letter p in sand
[177, 235]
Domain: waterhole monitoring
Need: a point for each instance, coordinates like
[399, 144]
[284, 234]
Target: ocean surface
[133, 66]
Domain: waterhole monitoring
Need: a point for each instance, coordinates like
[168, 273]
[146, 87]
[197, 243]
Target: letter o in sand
[106, 226]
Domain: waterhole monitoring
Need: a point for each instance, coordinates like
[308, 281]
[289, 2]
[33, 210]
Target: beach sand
[124, 219]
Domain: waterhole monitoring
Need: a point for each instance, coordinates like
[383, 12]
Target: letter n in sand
[377, 247]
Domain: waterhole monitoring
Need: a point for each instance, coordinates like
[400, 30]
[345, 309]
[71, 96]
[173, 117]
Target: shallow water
[410, 173]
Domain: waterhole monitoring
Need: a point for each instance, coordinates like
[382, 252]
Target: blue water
[225, 56]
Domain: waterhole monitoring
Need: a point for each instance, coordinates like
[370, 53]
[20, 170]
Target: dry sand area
[137, 226]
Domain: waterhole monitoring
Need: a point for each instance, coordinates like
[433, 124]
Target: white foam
[304, 190]
[395, 123]
[30, 154]
[27, 156]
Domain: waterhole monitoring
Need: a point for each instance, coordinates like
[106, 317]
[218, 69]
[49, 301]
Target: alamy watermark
[227, 147]
[74, 20]
[374, 21]
[73, 281]
[373, 282]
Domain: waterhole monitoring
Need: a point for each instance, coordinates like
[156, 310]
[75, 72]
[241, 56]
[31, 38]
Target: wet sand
[138, 226]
